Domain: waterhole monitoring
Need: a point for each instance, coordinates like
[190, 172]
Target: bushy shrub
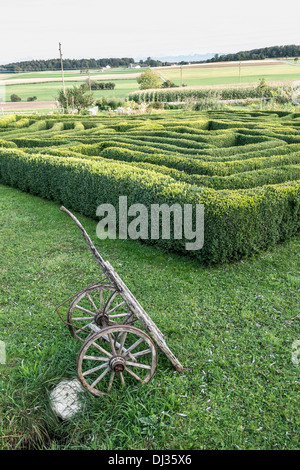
[157, 105]
[14, 97]
[105, 103]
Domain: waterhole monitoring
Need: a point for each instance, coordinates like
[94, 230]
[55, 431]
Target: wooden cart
[102, 317]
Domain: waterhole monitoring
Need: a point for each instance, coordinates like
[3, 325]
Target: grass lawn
[232, 326]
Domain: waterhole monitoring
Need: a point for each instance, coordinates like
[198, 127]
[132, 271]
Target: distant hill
[69, 64]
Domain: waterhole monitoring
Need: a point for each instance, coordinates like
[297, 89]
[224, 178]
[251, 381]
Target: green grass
[49, 91]
[196, 76]
[192, 76]
[232, 326]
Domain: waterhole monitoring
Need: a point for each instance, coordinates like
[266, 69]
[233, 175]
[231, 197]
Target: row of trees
[259, 54]
[69, 64]
[99, 85]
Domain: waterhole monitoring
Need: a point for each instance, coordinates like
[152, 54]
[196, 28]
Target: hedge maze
[243, 166]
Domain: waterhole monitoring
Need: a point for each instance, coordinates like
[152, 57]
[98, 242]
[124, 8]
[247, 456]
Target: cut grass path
[232, 326]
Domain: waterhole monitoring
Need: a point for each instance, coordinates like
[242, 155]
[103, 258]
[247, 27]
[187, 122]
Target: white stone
[65, 400]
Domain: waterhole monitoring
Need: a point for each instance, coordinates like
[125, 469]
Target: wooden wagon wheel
[127, 352]
[97, 307]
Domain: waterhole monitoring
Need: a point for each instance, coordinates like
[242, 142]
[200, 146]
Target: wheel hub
[101, 319]
[117, 364]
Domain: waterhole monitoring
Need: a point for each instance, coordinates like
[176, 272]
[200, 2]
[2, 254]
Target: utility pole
[239, 73]
[89, 80]
[181, 74]
[62, 68]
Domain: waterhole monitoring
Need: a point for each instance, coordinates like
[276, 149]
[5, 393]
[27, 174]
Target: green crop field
[230, 318]
[48, 91]
[216, 75]
[195, 76]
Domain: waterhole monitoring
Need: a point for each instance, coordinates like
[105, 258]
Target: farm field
[67, 73]
[49, 90]
[203, 75]
[216, 75]
[243, 166]
[232, 326]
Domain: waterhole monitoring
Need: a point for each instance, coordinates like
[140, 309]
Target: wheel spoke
[101, 299]
[85, 310]
[112, 345]
[100, 377]
[136, 364]
[115, 308]
[83, 328]
[101, 349]
[110, 300]
[142, 353]
[122, 378]
[111, 381]
[81, 318]
[118, 315]
[91, 300]
[133, 374]
[90, 371]
[95, 358]
[122, 342]
[139, 341]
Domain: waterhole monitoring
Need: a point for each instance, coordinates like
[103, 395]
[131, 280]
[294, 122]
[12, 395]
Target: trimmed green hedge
[237, 223]
[243, 166]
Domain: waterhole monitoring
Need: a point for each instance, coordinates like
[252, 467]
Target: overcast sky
[138, 28]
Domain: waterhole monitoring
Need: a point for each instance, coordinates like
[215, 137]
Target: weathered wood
[132, 303]
[114, 363]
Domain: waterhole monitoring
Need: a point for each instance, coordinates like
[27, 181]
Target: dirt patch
[27, 105]
[123, 76]
[246, 63]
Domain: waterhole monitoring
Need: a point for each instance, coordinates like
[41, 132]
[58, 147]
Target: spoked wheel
[126, 354]
[94, 308]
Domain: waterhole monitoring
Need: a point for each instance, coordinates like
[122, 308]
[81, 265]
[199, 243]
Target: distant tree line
[86, 64]
[93, 85]
[68, 64]
[259, 54]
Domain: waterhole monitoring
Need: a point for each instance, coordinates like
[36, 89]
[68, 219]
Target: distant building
[134, 66]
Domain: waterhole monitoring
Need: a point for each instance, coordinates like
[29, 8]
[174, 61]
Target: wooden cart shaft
[129, 298]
